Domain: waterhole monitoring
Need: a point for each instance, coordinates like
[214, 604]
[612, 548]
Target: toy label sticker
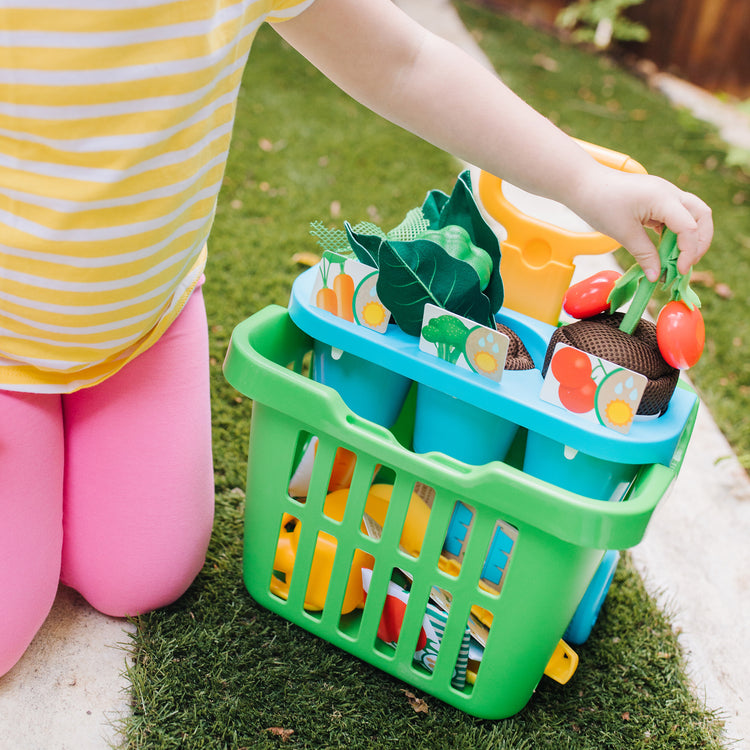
[602, 391]
[346, 288]
[463, 342]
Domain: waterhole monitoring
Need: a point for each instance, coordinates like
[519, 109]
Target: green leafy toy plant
[452, 261]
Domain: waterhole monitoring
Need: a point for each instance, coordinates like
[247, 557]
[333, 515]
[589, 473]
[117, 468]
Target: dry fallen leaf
[282, 734]
[419, 705]
[705, 278]
[546, 63]
[626, 716]
[305, 258]
[723, 290]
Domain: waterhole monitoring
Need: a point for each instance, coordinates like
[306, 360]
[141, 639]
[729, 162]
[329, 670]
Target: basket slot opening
[333, 577]
[496, 561]
[474, 658]
[284, 559]
[322, 467]
[418, 629]
[468, 537]
[350, 619]
[457, 538]
[398, 512]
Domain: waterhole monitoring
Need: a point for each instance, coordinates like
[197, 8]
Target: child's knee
[132, 576]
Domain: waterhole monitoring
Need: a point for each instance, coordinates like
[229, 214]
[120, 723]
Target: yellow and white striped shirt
[115, 121]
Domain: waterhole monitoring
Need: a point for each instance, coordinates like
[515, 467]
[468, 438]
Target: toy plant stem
[633, 283]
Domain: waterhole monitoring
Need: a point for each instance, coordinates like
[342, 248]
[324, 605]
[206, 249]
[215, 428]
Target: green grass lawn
[215, 670]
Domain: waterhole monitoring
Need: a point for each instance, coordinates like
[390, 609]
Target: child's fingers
[640, 246]
[694, 240]
[690, 219]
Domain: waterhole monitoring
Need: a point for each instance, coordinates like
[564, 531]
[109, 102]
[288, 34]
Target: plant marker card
[347, 288]
[463, 342]
[604, 392]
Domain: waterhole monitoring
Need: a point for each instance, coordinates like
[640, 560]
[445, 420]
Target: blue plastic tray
[515, 399]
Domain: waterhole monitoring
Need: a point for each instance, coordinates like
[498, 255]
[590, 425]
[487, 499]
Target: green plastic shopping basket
[560, 537]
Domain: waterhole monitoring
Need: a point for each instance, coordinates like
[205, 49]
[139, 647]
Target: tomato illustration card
[463, 342]
[604, 392]
[347, 288]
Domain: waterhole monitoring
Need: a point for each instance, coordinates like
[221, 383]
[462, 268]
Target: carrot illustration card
[347, 288]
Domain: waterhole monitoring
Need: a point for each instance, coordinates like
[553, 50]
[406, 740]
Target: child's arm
[381, 57]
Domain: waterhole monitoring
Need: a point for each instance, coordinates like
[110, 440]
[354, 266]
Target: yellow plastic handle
[537, 256]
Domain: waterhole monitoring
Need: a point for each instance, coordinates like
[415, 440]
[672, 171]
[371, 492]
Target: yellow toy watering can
[537, 256]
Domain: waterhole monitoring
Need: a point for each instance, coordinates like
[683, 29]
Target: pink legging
[109, 489]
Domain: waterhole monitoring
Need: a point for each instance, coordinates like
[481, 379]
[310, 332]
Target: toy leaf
[365, 246]
[415, 273]
[461, 209]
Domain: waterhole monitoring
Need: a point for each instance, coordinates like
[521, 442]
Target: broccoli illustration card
[347, 288]
[602, 391]
[463, 342]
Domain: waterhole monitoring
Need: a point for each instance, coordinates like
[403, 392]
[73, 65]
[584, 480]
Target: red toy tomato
[680, 334]
[589, 297]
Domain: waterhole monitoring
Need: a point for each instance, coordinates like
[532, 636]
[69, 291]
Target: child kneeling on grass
[115, 122]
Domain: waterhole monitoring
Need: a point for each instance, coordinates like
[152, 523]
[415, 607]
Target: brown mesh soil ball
[638, 351]
[518, 356]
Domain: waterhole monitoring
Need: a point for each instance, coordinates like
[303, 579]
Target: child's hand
[620, 205]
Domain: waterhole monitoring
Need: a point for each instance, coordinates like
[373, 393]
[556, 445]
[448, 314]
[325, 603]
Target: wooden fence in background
[706, 42]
